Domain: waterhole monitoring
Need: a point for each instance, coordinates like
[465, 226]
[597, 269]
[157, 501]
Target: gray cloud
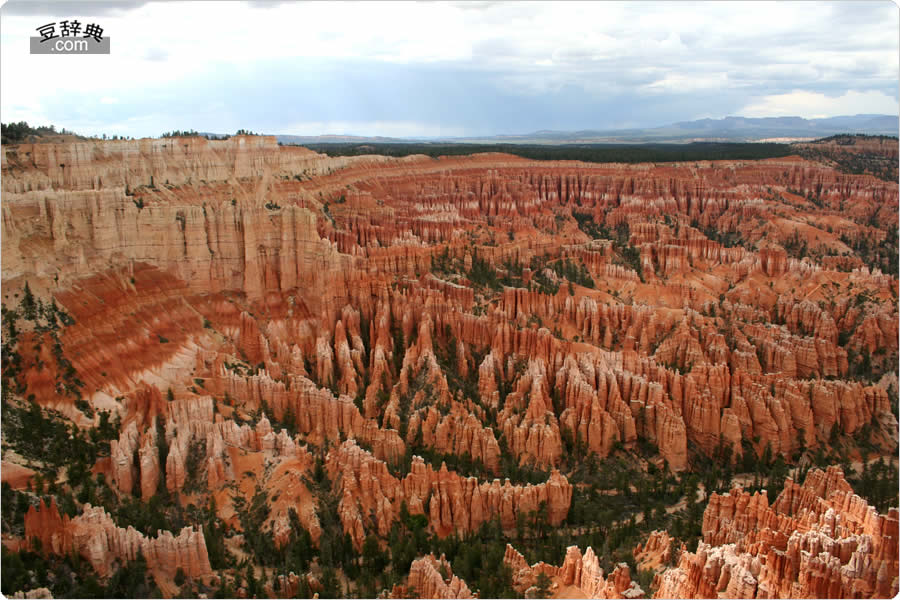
[67, 8]
[526, 67]
[266, 4]
[476, 4]
[477, 102]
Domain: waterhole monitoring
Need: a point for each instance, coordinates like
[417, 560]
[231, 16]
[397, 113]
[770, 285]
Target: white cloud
[372, 128]
[675, 82]
[815, 105]
[603, 48]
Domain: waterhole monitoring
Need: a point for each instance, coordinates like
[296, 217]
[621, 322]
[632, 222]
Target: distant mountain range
[729, 129]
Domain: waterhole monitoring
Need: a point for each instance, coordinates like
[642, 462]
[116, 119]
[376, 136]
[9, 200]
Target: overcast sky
[447, 69]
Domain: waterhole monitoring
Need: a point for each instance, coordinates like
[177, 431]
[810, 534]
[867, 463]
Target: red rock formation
[288, 491]
[317, 412]
[584, 572]
[524, 577]
[430, 577]
[578, 576]
[95, 537]
[288, 586]
[815, 540]
[149, 463]
[530, 427]
[35, 594]
[459, 432]
[249, 278]
[122, 455]
[655, 553]
[454, 503]
[17, 476]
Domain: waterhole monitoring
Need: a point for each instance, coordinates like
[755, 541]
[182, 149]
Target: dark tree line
[599, 153]
[13, 133]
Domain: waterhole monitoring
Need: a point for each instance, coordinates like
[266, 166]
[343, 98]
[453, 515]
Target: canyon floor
[238, 369]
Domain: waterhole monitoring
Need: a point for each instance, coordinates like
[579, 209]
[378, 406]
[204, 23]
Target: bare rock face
[90, 213]
[430, 577]
[578, 576]
[425, 577]
[454, 503]
[529, 424]
[524, 576]
[252, 344]
[584, 572]
[773, 261]
[316, 411]
[460, 432]
[95, 537]
[38, 593]
[655, 553]
[288, 586]
[816, 540]
[287, 487]
[94, 165]
[17, 476]
[122, 455]
[149, 463]
[176, 469]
